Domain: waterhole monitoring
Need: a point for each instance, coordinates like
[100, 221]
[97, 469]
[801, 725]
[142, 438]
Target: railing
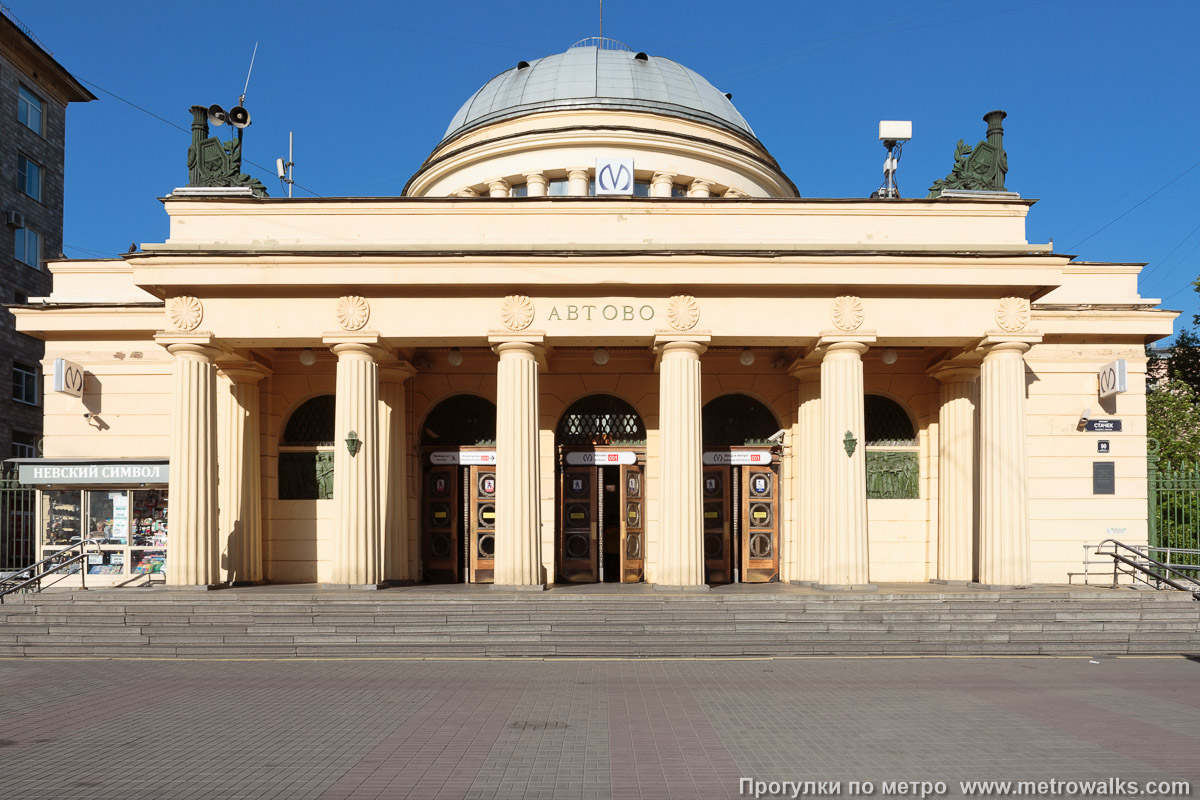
[54, 563]
[1173, 504]
[1141, 564]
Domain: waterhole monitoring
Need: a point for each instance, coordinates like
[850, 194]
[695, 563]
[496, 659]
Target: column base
[199, 587]
[846, 587]
[354, 587]
[948, 582]
[803, 583]
[239, 584]
[665, 587]
[518, 587]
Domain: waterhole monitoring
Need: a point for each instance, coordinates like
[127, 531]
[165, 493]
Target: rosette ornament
[353, 312]
[517, 312]
[184, 313]
[683, 312]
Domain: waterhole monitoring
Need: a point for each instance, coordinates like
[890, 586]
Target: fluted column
[518, 505]
[357, 554]
[804, 555]
[193, 556]
[239, 489]
[1004, 488]
[681, 512]
[958, 477]
[393, 471]
[844, 517]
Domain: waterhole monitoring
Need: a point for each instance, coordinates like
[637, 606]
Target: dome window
[522, 64]
[641, 57]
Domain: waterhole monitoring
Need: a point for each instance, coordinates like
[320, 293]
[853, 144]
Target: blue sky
[1101, 97]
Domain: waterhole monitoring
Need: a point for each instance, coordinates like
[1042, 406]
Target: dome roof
[598, 73]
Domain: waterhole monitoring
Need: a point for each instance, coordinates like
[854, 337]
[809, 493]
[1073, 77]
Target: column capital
[697, 339]
[196, 351]
[830, 340]
[954, 372]
[993, 350]
[242, 373]
[396, 371]
[805, 371]
[700, 188]
[497, 187]
[535, 183]
[363, 351]
[842, 349]
[579, 173]
[992, 341]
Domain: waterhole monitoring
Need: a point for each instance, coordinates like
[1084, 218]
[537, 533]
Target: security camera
[777, 436]
[87, 415]
[1084, 417]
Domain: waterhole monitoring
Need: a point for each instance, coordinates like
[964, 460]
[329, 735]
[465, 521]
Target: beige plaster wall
[1064, 514]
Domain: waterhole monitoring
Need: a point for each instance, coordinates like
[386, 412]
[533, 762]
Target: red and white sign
[718, 457]
[464, 457]
[601, 457]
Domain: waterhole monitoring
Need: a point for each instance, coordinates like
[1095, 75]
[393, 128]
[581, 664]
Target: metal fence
[1173, 513]
[18, 513]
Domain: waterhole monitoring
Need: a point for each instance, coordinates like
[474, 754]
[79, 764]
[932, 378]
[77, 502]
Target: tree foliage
[1173, 418]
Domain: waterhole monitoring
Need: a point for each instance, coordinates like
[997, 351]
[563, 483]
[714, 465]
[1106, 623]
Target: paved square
[582, 729]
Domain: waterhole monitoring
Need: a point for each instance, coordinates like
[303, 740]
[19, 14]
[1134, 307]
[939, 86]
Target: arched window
[600, 419]
[893, 460]
[733, 420]
[460, 421]
[306, 452]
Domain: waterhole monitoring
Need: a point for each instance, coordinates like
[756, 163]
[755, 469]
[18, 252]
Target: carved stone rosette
[1012, 313]
[184, 313]
[847, 313]
[683, 312]
[517, 312]
[353, 312]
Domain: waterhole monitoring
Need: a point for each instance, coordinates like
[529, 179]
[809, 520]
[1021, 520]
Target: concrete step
[275, 623]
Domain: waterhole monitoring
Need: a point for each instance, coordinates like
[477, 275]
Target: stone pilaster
[681, 512]
[661, 183]
[518, 484]
[393, 472]
[358, 546]
[803, 555]
[239, 483]
[193, 555]
[843, 458]
[958, 476]
[1003, 479]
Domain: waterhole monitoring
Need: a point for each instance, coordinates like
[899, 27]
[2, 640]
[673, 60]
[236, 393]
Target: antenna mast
[242, 99]
[601, 19]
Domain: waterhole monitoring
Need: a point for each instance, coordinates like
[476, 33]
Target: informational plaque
[1103, 426]
[717, 457]
[601, 457]
[1104, 477]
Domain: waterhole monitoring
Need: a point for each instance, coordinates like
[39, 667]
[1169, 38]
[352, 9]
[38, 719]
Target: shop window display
[130, 524]
[61, 512]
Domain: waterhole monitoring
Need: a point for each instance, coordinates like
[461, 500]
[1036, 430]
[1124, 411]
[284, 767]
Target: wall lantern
[354, 444]
[455, 357]
[747, 357]
[600, 356]
[850, 442]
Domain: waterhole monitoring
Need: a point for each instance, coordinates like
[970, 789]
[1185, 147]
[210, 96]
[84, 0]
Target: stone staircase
[284, 622]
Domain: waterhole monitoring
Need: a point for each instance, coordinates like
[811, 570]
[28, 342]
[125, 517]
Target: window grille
[887, 424]
[460, 421]
[734, 420]
[312, 424]
[601, 419]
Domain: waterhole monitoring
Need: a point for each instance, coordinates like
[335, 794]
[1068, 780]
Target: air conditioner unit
[14, 219]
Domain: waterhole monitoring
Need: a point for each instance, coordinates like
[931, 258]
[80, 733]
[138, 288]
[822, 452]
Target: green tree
[1173, 418]
[1183, 363]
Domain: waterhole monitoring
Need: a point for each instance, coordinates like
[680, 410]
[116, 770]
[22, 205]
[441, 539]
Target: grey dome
[591, 76]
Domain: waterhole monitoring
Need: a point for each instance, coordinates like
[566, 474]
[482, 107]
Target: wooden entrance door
[718, 525]
[441, 519]
[760, 523]
[578, 559]
[633, 525]
[481, 489]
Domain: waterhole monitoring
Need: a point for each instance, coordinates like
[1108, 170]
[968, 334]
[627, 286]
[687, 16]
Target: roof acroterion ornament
[977, 169]
[212, 162]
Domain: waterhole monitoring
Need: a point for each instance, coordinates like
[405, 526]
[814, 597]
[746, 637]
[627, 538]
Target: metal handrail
[1142, 564]
[56, 566]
